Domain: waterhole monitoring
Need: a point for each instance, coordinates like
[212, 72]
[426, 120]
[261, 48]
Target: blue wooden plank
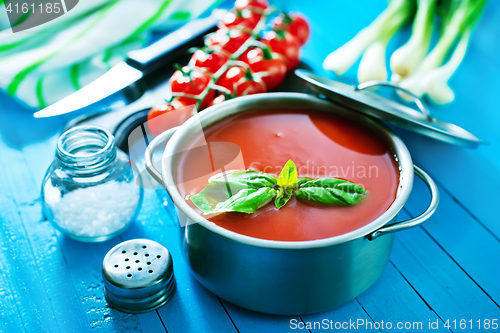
[10, 321]
[468, 242]
[149, 322]
[18, 265]
[343, 316]
[485, 38]
[445, 287]
[64, 300]
[31, 302]
[401, 304]
[34, 266]
[250, 321]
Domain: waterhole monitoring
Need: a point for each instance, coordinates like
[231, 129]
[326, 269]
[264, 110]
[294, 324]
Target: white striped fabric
[43, 64]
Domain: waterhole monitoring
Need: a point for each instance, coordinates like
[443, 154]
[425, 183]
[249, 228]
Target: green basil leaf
[327, 196]
[288, 176]
[246, 201]
[255, 179]
[329, 191]
[222, 188]
[340, 184]
[202, 203]
[282, 197]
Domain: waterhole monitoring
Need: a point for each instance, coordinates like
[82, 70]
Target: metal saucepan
[280, 277]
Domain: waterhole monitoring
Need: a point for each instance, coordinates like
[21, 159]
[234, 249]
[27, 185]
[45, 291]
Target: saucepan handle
[148, 157]
[416, 220]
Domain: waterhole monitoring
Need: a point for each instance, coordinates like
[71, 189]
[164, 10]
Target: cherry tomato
[208, 60]
[268, 65]
[221, 97]
[295, 24]
[189, 81]
[204, 103]
[285, 44]
[228, 41]
[232, 76]
[217, 100]
[250, 87]
[241, 19]
[257, 6]
[186, 100]
[192, 82]
[165, 116]
[239, 80]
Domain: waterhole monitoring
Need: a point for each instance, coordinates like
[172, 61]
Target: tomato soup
[321, 145]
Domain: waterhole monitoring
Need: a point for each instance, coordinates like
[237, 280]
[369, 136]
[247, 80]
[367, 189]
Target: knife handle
[174, 44]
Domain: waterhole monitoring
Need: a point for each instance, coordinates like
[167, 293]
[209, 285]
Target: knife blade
[139, 64]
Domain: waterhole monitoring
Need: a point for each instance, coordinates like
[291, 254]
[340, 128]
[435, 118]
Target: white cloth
[41, 65]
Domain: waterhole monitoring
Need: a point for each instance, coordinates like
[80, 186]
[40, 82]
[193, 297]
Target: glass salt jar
[89, 192]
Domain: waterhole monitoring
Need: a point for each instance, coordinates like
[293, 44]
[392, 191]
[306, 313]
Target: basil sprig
[247, 191]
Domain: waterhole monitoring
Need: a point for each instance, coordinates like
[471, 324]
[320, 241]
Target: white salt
[96, 211]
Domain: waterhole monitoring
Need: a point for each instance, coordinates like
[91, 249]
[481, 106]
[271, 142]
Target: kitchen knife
[140, 63]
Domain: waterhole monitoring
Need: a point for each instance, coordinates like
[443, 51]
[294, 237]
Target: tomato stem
[286, 18]
[280, 33]
[178, 67]
[248, 74]
[266, 52]
[204, 49]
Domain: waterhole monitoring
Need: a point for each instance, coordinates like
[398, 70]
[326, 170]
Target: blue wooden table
[447, 269]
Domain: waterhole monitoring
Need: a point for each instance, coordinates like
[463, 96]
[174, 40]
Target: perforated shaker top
[138, 276]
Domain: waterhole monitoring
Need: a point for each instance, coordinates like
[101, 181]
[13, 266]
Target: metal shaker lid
[376, 106]
[138, 276]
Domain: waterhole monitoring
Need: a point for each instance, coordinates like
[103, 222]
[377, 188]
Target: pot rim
[241, 104]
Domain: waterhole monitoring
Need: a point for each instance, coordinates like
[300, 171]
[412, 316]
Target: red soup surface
[321, 145]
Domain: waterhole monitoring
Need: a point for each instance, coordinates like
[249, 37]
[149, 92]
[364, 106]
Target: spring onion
[384, 26]
[412, 65]
[372, 64]
[459, 16]
[435, 82]
[406, 59]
